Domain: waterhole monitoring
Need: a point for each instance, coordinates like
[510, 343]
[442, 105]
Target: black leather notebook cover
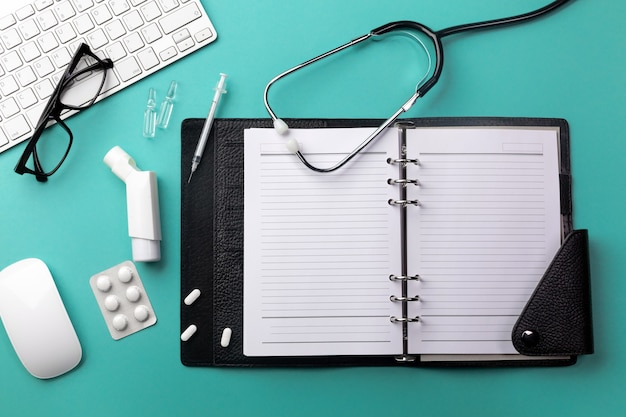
[556, 321]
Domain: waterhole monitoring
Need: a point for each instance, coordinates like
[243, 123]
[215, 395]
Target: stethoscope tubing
[425, 86]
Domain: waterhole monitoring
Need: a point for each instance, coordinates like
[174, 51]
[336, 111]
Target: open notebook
[426, 247]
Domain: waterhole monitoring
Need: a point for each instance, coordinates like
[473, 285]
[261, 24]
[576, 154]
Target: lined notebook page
[487, 228]
[318, 248]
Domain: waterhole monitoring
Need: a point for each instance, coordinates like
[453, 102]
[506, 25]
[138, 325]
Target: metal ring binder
[403, 182]
[395, 319]
[403, 161]
[404, 299]
[403, 203]
[393, 277]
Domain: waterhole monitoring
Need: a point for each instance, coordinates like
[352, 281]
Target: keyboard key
[101, 14]
[29, 51]
[82, 5]
[185, 44]
[97, 39]
[44, 67]
[133, 20]
[136, 2]
[34, 113]
[133, 42]
[168, 5]
[47, 20]
[44, 89]
[28, 29]
[11, 61]
[168, 53]
[180, 18]
[111, 81]
[115, 30]
[16, 127]
[42, 4]
[26, 76]
[115, 51]
[27, 98]
[119, 6]
[128, 68]
[64, 10]
[65, 33]
[181, 35]
[203, 35]
[47, 42]
[25, 12]
[7, 21]
[10, 38]
[61, 57]
[83, 23]
[150, 11]
[148, 59]
[151, 33]
[8, 85]
[9, 108]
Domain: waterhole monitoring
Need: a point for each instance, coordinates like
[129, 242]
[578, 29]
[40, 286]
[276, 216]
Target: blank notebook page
[318, 248]
[485, 232]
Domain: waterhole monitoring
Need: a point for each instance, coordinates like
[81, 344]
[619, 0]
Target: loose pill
[120, 322]
[192, 297]
[112, 303]
[141, 313]
[125, 274]
[189, 331]
[133, 294]
[226, 335]
[103, 283]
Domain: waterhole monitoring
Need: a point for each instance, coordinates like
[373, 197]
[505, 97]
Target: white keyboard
[38, 39]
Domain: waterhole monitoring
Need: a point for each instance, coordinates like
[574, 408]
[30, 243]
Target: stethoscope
[423, 86]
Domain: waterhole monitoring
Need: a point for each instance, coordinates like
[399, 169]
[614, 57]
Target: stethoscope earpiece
[280, 126]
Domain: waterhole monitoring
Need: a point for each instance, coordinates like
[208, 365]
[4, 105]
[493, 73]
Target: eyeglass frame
[54, 108]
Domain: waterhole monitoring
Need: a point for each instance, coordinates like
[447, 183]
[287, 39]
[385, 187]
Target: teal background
[569, 65]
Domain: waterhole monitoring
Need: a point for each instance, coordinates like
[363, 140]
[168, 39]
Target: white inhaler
[142, 199]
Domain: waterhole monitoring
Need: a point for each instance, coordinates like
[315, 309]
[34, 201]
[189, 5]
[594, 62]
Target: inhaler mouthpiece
[144, 225]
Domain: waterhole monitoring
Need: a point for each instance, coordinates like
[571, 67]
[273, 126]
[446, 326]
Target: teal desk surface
[568, 65]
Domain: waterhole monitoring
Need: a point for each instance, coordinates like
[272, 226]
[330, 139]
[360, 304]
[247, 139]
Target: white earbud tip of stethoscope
[280, 126]
[293, 146]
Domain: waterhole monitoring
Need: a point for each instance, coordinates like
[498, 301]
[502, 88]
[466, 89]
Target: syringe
[204, 135]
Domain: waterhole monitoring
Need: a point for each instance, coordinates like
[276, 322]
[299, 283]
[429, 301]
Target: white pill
[120, 322]
[189, 331]
[192, 297]
[125, 274]
[141, 313]
[103, 283]
[112, 303]
[226, 334]
[133, 294]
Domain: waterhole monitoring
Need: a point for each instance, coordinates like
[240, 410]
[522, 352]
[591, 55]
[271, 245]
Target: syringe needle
[206, 129]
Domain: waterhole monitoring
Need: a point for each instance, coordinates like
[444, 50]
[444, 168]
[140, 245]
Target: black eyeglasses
[86, 69]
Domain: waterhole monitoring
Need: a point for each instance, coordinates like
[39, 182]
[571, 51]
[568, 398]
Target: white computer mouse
[36, 321]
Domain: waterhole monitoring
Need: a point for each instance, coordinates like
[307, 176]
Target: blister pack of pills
[123, 300]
